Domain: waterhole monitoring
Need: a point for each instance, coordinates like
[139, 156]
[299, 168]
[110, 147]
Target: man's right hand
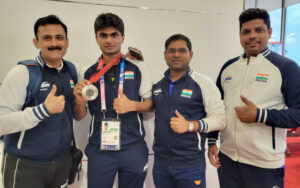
[214, 156]
[55, 104]
[78, 90]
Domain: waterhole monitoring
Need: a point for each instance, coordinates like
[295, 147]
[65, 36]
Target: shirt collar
[42, 62]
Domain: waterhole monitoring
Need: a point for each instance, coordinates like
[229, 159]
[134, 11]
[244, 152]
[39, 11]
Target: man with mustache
[261, 92]
[38, 131]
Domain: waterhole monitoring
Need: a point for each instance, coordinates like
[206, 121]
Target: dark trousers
[165, 177]
[233, 174]
[131, 166]
[19, 173]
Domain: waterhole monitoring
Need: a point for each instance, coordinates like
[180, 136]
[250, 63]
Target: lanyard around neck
[101, 69]
[102, 87]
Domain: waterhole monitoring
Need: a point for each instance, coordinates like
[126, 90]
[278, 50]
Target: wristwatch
[191, 126]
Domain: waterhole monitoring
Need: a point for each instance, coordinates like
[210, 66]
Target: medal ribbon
[102, 70]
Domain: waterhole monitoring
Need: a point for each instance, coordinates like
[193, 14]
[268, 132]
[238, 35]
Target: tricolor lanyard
[102, 88]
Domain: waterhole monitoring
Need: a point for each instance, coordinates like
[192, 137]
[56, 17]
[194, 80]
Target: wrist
[80, 102]
[191, 126]
[133, 106]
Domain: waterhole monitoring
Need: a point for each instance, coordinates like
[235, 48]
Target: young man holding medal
[38, 131]
[116, 142]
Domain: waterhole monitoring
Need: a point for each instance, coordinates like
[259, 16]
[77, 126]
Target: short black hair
[255, 13]
[105, 20]
[177, 37]
[50, 19]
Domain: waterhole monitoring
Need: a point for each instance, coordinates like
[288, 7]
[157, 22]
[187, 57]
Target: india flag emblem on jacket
[129, 75]
[187, 93]
[72, 84]
[262, 77]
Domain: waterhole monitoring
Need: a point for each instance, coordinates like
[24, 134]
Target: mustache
[54, 48]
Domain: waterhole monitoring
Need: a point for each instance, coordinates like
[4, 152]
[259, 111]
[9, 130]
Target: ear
[191, 54]
[67, 42]
[123, 38]
[270, 32]
[36, 43]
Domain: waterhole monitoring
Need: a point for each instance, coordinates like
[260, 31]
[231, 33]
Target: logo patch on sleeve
[129, 75]
[187, 93]
[260, 77]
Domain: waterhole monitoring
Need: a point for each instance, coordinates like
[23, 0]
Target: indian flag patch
[262, 77]
[129, 75]
[187, 93]
[72, 83]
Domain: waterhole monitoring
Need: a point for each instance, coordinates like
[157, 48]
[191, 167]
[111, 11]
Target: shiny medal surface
[89, 92]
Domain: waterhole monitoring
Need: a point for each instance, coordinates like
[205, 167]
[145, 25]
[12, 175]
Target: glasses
[180, 50]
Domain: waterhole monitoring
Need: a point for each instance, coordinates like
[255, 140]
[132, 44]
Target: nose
[54, 42]
[177, 53]
[252, 35]
[108, 39]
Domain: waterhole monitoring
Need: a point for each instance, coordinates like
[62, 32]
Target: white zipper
[92, 126]
[199, 141]
[20, 139]
[140, 123]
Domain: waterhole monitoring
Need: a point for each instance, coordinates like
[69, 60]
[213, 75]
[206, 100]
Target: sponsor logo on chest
[44, 86]
[129, 75]
[157, 91]
[187, 93]
[227, 79]
[260, 77]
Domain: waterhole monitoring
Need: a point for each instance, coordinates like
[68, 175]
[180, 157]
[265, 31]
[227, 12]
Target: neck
[175, 75]
[108, 57]
[55, 64]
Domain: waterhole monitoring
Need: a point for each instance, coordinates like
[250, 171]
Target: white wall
[211, 25]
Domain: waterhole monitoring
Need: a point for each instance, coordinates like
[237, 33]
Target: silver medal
[89, 92]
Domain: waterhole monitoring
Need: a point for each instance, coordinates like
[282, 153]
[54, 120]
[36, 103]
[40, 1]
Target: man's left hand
[247, 113]
[179, 124]
[123, 105]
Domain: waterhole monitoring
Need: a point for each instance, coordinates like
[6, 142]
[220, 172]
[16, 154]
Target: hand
[214, 156]
[247, 113]
[179, 124]
[123, 105]
[53, 103]
[77, 92]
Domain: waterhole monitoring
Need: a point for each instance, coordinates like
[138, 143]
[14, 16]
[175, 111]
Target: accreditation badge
[110, 135]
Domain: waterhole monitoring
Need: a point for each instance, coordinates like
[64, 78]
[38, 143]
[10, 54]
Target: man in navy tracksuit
[261, 92]
[187, 106]
[38, 135]
[116, 143]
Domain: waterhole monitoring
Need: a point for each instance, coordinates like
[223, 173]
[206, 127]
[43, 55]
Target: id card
[110, 135]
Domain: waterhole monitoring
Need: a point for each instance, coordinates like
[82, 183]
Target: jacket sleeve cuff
[40, 111]
[261, 116]
[202, 126]
[211, 141]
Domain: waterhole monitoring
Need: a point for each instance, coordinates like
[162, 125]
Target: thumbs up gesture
[179, 124]
[122, 104]
[55, 104]
[247, 113]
